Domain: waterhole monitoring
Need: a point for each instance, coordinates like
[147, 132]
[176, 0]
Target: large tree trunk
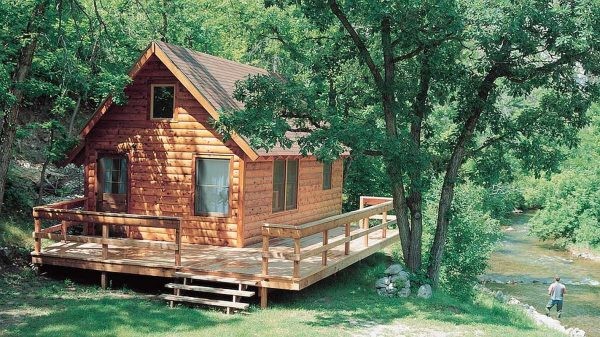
[11, 117]
[436, 253]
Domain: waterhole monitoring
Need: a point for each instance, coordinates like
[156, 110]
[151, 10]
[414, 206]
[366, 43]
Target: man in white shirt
[557, 292]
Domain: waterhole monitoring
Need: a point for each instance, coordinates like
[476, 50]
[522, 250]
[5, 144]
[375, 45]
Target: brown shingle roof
[213, 76]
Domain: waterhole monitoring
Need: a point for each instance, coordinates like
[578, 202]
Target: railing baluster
[384, 227]
[37, 225]
[366, 237]
[296, 271]
[178, 243]
[265, 255]
[347, 244]
[63, 230]
[104, 243]
[324, 253]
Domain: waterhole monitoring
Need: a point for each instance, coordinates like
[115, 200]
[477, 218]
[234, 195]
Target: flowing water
[524, 267]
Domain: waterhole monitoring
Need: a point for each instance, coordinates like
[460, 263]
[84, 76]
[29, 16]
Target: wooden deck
[290, 257]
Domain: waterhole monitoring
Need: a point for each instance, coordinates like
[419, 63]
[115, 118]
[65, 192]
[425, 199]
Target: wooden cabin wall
[313, 202]
[161, 160]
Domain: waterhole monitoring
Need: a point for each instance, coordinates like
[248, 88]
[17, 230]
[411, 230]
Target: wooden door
[112, 188]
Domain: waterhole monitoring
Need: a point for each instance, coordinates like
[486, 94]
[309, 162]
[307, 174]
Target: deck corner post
[263, 292]
[63, 230]
[265, 254]
[37, 225]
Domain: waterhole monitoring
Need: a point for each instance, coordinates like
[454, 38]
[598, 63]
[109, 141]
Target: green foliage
[570, 200]
[364, 177]
[20, 193]
[473, 232]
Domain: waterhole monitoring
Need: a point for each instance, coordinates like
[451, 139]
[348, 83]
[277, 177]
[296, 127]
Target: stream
[523, 267]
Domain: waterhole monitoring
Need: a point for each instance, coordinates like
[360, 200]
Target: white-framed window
[211, 197]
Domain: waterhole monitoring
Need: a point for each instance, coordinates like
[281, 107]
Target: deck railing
[67, 214]
[369, 207]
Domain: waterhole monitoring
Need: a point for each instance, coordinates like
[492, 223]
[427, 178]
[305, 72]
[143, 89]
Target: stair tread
[213, 290]
[199, 300]
[214, 278]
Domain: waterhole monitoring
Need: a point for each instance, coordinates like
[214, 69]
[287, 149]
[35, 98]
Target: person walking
[557, 292]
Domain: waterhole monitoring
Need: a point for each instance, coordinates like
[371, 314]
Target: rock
[382, 282]
[513, 301]
[575, 332]
[500, 296]
[404, 292]
[394, 269]
[400, 277]
[424, 291]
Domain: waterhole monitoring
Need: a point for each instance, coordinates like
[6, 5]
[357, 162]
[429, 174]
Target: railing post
[361, 205]
[347, 244]
[296, 272]
[265, 255]
[324, 253]
[178, 243]
[63, 230]
[384, 227]
[104, 243]
[37, 228]
[365, 227]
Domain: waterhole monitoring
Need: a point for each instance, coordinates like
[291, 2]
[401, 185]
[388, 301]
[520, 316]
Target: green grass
[342, 305]
[16, 233]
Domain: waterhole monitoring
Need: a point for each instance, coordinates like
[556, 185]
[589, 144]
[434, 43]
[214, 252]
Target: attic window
[162, 101]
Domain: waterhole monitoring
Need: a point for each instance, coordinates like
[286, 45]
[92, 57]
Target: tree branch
[358, 42]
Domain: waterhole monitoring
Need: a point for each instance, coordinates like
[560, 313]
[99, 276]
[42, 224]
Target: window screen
[327, 167]
[212, 186]
[114, 175]
[285, 185]
[162, 101]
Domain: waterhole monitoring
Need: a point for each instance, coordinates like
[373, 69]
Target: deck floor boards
[243, 263]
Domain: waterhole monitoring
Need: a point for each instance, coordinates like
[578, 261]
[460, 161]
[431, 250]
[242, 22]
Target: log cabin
[158, 179]
[158, 154]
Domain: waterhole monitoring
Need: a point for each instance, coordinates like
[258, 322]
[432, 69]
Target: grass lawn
[342, 305]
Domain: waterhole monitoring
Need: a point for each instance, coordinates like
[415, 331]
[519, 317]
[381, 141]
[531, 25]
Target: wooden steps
[217, 294]
[205, 301]
[203, 289]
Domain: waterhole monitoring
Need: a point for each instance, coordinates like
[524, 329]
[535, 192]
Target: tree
[426, 86]
[8, 127]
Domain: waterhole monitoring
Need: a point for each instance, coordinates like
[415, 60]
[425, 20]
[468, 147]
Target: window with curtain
[163, 101]
[327, 168]
[114, 174]
[212, 187]
[285, 185]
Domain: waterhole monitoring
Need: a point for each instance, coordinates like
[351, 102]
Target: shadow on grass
[348, 299]
[106, 317]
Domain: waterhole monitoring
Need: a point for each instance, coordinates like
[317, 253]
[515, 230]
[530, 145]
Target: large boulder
[404, 292]
[400, 277]
[424, 291]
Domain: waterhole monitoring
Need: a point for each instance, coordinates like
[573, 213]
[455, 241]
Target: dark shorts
[558, 304]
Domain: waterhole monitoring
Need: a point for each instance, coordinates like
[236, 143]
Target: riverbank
[523, 267]
[585, 253]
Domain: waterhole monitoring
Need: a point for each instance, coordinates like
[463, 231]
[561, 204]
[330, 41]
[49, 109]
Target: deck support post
[263, 291]
[325, 242]
[103, 280]
[37, 225]
[347, 234]
[384, 223]
[296, 271]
